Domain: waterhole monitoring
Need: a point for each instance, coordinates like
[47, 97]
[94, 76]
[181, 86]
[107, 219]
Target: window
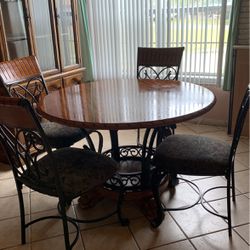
[118, 27]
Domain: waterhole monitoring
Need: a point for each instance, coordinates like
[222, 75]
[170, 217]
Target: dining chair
[200, 156]
[64, 173]
[159, 64]
[22, 77]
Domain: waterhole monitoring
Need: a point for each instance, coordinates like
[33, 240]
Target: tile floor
[188, 229]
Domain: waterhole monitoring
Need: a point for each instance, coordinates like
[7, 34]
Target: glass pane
[14, 26]
[66, 32]
[43, 34]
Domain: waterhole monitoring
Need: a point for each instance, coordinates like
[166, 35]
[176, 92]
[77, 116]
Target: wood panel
[54, 84]
[72, 79]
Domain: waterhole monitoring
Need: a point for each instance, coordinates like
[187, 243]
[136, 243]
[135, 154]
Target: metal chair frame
[229, 174]
[23, 159]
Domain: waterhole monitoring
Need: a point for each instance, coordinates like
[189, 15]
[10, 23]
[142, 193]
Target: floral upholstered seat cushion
[79, 171]
[193, 155]
[60, 136]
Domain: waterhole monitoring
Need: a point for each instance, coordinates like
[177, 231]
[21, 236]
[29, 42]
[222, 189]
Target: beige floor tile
[245, 140]
[181, 195]
[146, 237]
[129, 136]
[243, 231]
[20, 247]
[219, 135]
[247, 195]
[239, 166]
[102, 208]
[8, 188]
[130, 210]
[56, 243]
[10, 235]
[242, 181]
[109, 237]
[202, 129]
[184, 130]
[41, 202]
[243, 158]
[79, 144]
[218, 193]
[220, 241]
[10, 206]
[194, 177]
[181, 245]
[49, 227]
[242, 147]
[196, 221]
[239, 210]
[5, 171]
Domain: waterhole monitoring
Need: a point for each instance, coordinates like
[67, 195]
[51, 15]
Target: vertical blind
[119, 27]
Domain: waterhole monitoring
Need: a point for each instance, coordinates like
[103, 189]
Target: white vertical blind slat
[168, 23]
[205, 35]
[191, 61]
[118, 27]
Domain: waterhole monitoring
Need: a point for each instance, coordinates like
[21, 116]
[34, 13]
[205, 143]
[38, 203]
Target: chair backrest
[23, 140]
[159, 63]
[240, 121]
[23, 78]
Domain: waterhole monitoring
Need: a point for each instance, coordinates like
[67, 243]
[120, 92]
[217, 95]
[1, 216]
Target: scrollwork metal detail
[163, 73]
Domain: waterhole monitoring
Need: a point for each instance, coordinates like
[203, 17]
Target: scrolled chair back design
[32, 90]
[159, 63]
[23, 146]
[163, 73]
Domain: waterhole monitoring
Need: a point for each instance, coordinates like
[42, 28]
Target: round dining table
[123, 104]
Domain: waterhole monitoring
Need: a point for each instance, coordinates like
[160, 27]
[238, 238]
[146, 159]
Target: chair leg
[156, 180]
[22, 212]
[229, 207]
[233, 184]
[174, 180]
[65, 225]
[138, 137]
[123, 221]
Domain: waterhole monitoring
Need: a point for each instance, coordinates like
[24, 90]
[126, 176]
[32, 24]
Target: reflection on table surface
[127, 103]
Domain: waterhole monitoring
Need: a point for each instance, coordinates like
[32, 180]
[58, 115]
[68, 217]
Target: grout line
[182, 230]
[234, 229]
[131, 232]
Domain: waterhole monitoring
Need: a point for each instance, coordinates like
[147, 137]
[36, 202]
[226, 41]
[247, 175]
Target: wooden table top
[126, 104]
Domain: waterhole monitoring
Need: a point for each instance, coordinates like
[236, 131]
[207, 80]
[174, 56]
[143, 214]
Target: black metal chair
[65, 173]
[22, 77]
[202, 156]
[159, 64]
